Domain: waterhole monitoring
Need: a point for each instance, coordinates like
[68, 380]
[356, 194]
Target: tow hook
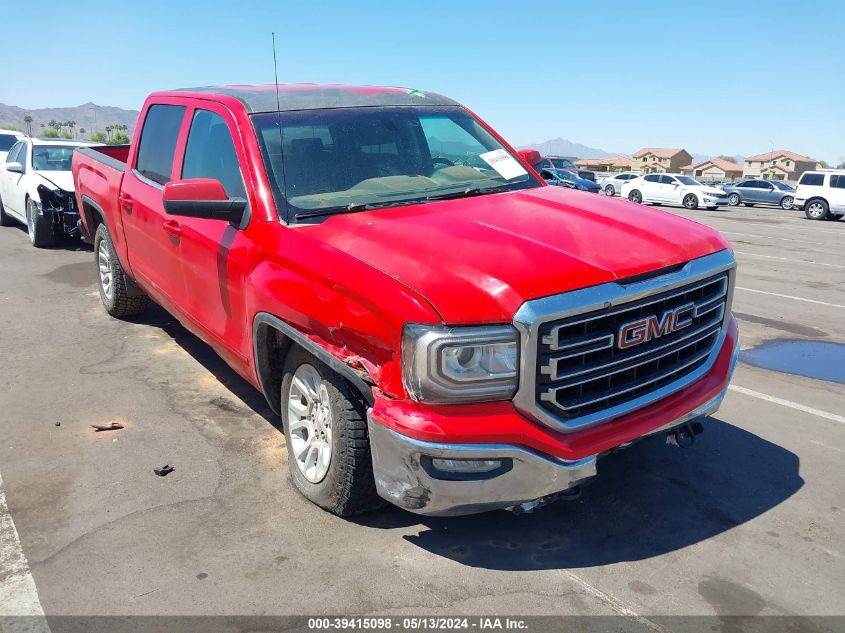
[684, 436]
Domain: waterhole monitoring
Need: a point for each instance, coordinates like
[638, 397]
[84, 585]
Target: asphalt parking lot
[749, 521]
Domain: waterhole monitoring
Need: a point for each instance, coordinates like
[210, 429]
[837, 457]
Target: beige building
[610, 164]
[714, 169]
[650, 160]
[780, 164]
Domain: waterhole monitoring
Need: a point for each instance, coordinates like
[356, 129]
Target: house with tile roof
[651, 160]
[780, 164]
[714, 169]
[614, 163]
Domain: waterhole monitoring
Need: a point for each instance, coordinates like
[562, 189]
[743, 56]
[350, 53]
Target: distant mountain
[84, 116]
[563, 147]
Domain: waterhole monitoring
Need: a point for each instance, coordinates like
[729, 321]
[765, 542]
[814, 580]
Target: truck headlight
[460, 364]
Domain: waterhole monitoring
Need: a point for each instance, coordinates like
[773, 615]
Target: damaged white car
[36, 189]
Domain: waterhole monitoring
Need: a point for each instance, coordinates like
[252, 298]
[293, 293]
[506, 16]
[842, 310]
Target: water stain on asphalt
[813, 359]
[78, 275]
[784, 326]
[730, 598]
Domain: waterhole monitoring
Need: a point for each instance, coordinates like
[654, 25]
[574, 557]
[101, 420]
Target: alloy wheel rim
[689, 202]
[104, 264]
[787, 202]
[734, 200]
[30, 222]
[310, 423]
[815, 210]
[609, 190]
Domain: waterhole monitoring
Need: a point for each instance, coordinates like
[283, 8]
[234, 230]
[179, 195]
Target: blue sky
[714, 77]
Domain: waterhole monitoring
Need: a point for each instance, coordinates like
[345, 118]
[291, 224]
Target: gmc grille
[611, 360]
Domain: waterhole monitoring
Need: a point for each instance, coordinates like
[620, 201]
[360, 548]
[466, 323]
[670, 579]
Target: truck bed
[98, 175]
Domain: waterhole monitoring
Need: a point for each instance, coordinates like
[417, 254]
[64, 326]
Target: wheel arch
[93, 214]
[272, 339]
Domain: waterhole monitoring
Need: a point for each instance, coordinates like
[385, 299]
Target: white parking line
[772, 237]
[788, 259]
[18, 596]
[777, 294]
[788, 403]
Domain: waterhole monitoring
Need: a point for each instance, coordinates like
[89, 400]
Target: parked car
[674, 189]
[821, 194]
[561, 162]
[612, 184]
[564, 178]
[7, 139]
[418, 325]
[36, 189]
[751, 192]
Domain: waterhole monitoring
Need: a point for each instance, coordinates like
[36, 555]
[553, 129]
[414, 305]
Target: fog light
[469, 466]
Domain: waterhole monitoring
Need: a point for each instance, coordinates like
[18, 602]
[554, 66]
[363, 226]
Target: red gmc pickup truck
[436, 327]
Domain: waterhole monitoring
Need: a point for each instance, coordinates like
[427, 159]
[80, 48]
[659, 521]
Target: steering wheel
[431, 165]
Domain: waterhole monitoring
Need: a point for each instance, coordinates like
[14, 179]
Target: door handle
[172, 227]
[125, 202]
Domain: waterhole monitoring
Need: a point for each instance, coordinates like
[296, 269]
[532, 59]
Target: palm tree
[71, 125]
[109, 130]
[54, 124]
[28, 120]
[82, 131]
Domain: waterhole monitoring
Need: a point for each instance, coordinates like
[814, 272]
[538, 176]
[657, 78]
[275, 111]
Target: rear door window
[210, 153]
[652, 178]
[837, 181]
[158, 142]
[815, 180]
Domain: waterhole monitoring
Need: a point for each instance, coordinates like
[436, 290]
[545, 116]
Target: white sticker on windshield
[505, 164]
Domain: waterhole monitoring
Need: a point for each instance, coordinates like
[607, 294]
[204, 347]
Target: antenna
[276, 77]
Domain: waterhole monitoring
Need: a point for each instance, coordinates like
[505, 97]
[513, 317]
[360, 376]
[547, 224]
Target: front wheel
[609, 191]
[733, 200]
[690, 201]
[816, 210]
[635, 196]
[787, 203]
[39, 227]
[120, 297]
[325, 425]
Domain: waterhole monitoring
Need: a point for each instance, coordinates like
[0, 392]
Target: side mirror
[202, 198]
[14, 167]
[530, 156]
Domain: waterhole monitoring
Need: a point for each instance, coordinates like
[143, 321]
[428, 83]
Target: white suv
[821, 194]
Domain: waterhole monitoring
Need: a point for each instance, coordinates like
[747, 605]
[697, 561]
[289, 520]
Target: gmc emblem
[648, 328]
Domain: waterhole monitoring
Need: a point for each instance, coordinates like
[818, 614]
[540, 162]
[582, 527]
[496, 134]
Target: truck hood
[476, 260]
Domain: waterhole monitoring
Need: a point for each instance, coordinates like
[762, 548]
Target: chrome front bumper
[403, 479]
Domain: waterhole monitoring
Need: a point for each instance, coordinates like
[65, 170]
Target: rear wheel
[326, 431]
[734, 200]
[690, 201]
[610, 191]
[787, 202]
[120, 296]
[635, 196]
[816, 210]
[5, 219]
[40, 227]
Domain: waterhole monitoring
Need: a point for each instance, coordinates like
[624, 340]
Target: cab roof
[262, 98]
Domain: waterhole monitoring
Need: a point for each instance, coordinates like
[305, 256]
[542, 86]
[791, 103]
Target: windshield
[52, 157]
[782, 185]
[686, 180]
[562, 163]
[6, 142]
[565, 175]
[332, 160]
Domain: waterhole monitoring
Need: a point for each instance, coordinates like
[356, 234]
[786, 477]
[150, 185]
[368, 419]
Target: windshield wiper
[471, 191]
[355, 207]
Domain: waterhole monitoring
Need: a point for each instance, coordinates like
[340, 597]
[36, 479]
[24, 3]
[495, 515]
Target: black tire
[348, 487]
[787, 202]
[734, 199]
[748, 204]
[816, 209]
[122, 298]
[41, 231]
[635, 196]
[609, 191]
[5, 219]
[690, 201]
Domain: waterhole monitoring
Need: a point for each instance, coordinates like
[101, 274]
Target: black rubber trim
[264, 318]
[91, 152]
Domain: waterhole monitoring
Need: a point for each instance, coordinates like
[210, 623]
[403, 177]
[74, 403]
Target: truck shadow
[648, 500]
